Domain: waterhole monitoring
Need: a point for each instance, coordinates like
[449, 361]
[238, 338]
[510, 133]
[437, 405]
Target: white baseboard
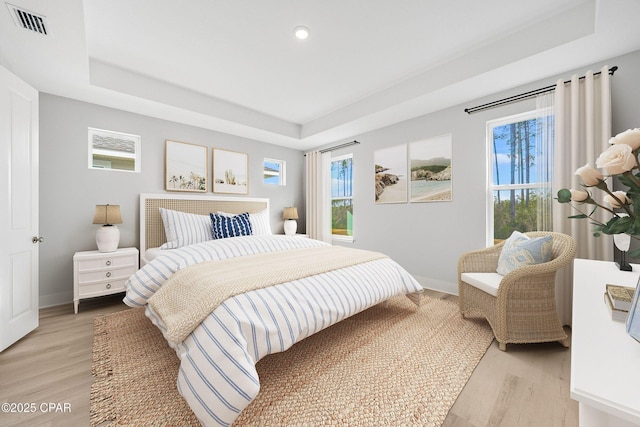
[438, 285]
[52, 300]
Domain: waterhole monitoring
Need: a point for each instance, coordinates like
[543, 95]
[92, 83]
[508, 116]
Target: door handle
[35, 239]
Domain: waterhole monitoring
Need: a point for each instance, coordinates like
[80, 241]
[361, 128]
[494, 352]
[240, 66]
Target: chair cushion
[488, 282]
[520, 250]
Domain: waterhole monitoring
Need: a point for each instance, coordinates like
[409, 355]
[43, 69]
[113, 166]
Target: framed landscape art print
[230, 172]
[430, 163]
[186, 167]
[390, 174]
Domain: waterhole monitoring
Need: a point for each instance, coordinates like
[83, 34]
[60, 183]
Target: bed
[224, 303]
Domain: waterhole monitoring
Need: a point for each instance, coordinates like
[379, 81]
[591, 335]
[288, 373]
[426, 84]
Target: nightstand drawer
[96, 289]
[110, 262]
[105, 275]
[102, 273]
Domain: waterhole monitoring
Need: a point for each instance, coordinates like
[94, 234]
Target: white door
[18, 208]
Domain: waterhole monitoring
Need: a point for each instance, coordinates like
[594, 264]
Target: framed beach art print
[430, 163]
[186, 167]
[391, 174]
[230, 172]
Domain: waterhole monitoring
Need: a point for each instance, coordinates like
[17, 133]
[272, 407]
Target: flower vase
[622, 242]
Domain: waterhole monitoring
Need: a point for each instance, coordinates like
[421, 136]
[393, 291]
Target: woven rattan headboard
[152, 229]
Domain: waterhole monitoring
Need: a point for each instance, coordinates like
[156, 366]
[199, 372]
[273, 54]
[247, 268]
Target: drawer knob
[108, 274]
[108, 262]
[108, 285]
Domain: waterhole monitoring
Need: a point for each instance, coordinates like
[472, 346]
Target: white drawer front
[96, 289]
[105, 275]
[112, 262]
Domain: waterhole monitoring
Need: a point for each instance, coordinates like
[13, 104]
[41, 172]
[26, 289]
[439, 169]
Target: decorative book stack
[618, 299]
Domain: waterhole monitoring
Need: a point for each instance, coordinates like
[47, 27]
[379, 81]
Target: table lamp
[290, 225]
[107, 236]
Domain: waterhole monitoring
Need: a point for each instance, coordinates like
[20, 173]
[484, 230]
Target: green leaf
[618, 225]
[564, 196]
[634, 253]
[581, 216]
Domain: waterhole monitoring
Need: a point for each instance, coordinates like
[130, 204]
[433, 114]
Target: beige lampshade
[107, 214]
[290, 213]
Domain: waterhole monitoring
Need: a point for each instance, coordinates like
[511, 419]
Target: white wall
[69, 190]
[428, 238]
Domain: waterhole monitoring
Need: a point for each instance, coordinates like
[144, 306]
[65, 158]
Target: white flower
[579, 195]
[611, 201]
[630, 137]
[589, 175]
[617, 159]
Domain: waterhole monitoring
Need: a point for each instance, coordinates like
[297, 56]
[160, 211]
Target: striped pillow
[260, 222]
[184, 229]
[230, 226]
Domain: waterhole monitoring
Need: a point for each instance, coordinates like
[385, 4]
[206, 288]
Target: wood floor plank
[526, 386]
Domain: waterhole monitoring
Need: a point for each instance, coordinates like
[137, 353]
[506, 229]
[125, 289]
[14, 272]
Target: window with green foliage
[342, 197]
[520, 153]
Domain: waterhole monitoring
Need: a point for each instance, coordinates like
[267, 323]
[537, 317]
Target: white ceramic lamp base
[290, 227]
[107, 238]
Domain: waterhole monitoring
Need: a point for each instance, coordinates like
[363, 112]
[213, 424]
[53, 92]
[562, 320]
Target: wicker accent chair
[524, 307]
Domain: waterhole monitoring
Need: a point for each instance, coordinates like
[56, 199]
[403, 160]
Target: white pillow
[184, 229]
[260, 223]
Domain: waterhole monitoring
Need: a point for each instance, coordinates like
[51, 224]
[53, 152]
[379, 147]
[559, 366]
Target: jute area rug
[394, 365]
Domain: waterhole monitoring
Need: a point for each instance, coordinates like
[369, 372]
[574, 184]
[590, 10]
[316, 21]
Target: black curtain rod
[525, 95]
[346, 144]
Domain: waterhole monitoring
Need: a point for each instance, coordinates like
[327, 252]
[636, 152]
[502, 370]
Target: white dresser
[605, 360]
[102, 273]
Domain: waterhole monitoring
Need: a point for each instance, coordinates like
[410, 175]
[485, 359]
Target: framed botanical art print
[230, 172]
[186, 167]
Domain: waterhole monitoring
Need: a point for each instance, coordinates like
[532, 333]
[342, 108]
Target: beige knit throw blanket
[192, 293]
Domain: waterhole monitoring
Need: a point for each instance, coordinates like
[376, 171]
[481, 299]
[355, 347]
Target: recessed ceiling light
[301, 32]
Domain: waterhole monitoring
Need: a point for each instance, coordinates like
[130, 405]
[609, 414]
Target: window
[274, 172]
[519, 149]
[342, 197]
[113, 150]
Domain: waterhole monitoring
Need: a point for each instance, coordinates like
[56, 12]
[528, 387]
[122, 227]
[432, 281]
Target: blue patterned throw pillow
[230, 226]
[520, 250]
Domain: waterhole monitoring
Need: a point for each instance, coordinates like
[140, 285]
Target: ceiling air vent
[29, 20]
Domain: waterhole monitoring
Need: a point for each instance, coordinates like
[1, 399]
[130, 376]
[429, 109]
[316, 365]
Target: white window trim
[282, 176]
[490, 188]
[338, 238]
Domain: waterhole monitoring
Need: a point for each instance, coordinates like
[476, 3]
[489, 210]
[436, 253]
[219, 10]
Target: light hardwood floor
[526, 386]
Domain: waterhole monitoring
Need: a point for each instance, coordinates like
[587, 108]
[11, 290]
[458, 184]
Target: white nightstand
[102, 273]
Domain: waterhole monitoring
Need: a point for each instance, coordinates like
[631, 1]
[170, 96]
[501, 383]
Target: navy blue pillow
[230, 226]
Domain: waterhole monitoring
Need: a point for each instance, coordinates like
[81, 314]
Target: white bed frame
[152, 229]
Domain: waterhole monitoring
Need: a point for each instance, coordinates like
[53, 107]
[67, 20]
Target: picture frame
[390, 174]
[633, 318]
[430, 164]
[230, 172]
[186, 167]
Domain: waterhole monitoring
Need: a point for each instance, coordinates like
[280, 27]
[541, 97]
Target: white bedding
[151, 253]
[217, 375]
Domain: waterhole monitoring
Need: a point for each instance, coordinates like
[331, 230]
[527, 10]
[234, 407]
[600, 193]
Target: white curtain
[582, 132]
[544, 159]
[318, 186]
